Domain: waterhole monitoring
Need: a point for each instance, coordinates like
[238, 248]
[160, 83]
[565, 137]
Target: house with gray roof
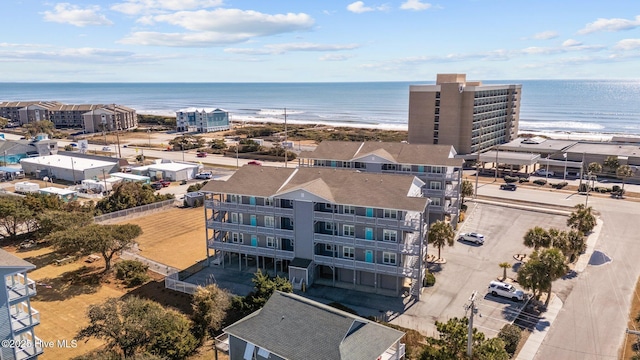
[436, 165]
[342, 228]
[293, 327]
[17, 317]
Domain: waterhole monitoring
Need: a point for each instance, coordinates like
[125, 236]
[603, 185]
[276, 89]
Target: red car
[201, 154]
[254, 162]
[164, 183]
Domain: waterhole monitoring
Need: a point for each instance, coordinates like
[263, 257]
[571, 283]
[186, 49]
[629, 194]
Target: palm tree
[624, 171]
[555, 267]
[594, 168]
[574, 245]
[504, 265]
[466, 189]
[440, 234]
[582, 219]
[537, 238]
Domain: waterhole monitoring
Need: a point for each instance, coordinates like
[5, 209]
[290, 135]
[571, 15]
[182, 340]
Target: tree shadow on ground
[434, 267]
[156, 291]
[43, 260]
[85, 280]
[515, 267]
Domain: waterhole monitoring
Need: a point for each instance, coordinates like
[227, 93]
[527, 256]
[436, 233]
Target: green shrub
[523, 180]
[511, 179]
[132, 272]
[510, 334]
[583, 188]
[429, 280]
[541, 182]
[559, 185]
[616, 188]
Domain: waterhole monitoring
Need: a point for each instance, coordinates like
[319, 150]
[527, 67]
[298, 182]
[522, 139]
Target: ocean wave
[279, 112]
[568, 125]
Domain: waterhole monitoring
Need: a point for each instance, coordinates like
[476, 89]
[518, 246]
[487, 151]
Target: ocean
[594, 107]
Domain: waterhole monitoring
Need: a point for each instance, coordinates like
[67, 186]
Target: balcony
[410, 224]
[343, 263]
[410, 247]
[23, 317]
[29, 352]
[250, 250]
[392, 354]
[246, 208]
[249, 229]
[20, 289]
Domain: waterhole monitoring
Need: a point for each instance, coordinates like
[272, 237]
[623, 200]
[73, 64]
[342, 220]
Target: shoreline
[249, 120]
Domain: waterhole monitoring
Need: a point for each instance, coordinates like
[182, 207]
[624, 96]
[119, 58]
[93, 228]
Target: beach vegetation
[187, 142]
[127, 195]
[132, 272]
[210, 305]
[582, 219]
[511, 335]
[218, 145]
[3, 122]
[168, 121]
[319, 133]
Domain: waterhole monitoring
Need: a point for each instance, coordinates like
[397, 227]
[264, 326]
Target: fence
[192, 269]
[172, 282]
[154, 266]
[135, 210]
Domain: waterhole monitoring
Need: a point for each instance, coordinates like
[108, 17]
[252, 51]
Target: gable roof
[400, 153]
[8, 260]
[294, 327]
[348, 187]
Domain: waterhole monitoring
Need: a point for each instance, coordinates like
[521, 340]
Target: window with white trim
[390, 214]
[329, 247]
[348, 209]
[348, 230]
[389, 235]
[435, 201]
[271, 242]
[328, 226]
[405, 168]
[269, 221]
[235, 218]
[435, 185]
[389, 258]
[268, 201]
[235, 198]
[237, 238]
[348, 252]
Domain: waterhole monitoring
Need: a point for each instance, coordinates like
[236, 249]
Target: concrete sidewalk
[530, 348]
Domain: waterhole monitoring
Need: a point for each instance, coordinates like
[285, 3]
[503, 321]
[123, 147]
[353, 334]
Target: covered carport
[507, 161]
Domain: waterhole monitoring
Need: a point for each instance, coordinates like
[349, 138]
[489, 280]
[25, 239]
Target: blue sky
[314, 40]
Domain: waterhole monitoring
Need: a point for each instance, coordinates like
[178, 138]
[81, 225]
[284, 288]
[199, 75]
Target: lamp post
[564, 176]
[149, 134]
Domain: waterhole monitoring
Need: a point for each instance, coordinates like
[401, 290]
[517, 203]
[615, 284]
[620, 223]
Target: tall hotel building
[342, 228]
[468, 115]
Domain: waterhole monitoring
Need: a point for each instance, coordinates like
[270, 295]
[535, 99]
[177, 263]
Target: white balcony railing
[393, 354]
[409, 224]
[247, 208]
[249, 229]
[19, 286]
[28, 352]
[400, 271]
[250, 250]
[22, 316]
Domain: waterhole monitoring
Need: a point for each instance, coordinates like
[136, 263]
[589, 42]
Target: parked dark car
[511, 187]
[156, 186]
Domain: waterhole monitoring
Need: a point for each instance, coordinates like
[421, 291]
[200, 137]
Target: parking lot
[471, 267]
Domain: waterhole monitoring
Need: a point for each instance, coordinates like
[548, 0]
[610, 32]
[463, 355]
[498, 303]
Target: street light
[149, 134]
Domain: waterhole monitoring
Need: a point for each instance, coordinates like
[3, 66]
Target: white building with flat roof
[69, 168]
[172, 171]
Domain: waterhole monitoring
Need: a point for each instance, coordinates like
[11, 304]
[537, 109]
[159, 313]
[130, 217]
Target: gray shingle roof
[401, 153]
[294, 327]
[349, 187]
[8, 260]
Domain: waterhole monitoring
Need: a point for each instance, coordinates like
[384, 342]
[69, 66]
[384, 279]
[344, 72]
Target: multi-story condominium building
[293, 327]
[468, 115]
[204, 120]
[110, 118]
[17, 317]
[435, 165]
[90, 117]
[336, 227]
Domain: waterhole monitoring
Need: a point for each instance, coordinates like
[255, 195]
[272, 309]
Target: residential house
[204, 120]
[436, 165]
[340, 228]
[295, 328]
[12, 151]
[17, 318]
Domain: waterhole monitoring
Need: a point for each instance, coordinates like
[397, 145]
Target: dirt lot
[175, 237]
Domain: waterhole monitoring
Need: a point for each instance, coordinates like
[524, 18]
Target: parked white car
[472, 237]
[544, 172]
[498, 288]
[106, 148]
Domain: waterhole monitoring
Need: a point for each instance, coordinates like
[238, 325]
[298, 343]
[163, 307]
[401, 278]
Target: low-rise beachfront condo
[202, 120]
[435, 165]
[341, 228]
[17, 318]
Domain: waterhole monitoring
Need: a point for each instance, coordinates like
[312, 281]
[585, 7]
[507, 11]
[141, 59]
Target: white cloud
[415, 5]
[358, 7]
[66, 13]
[614, 24]
[235, 21]
[628, 44]
[136, 7]
[218, 27]
[289, 47]
[335, 57]
[571, 42]
[71, 55]
[545, 35]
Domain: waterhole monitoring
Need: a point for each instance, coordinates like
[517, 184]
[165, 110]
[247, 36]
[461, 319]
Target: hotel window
[389, 258]
[269, 221]
[435, 185]
[236, 218]
[268, 201]
[348, 209]
[348, 230]
[329, 247]
[328, 206]
[348, 252]
[405, 168]
[234, 199]
[237, 238]
[328, 226]
[271, 242]
[435, 201]
[390, 235]
[390, 214]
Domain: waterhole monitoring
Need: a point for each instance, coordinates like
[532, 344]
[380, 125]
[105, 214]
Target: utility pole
[471, 306]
